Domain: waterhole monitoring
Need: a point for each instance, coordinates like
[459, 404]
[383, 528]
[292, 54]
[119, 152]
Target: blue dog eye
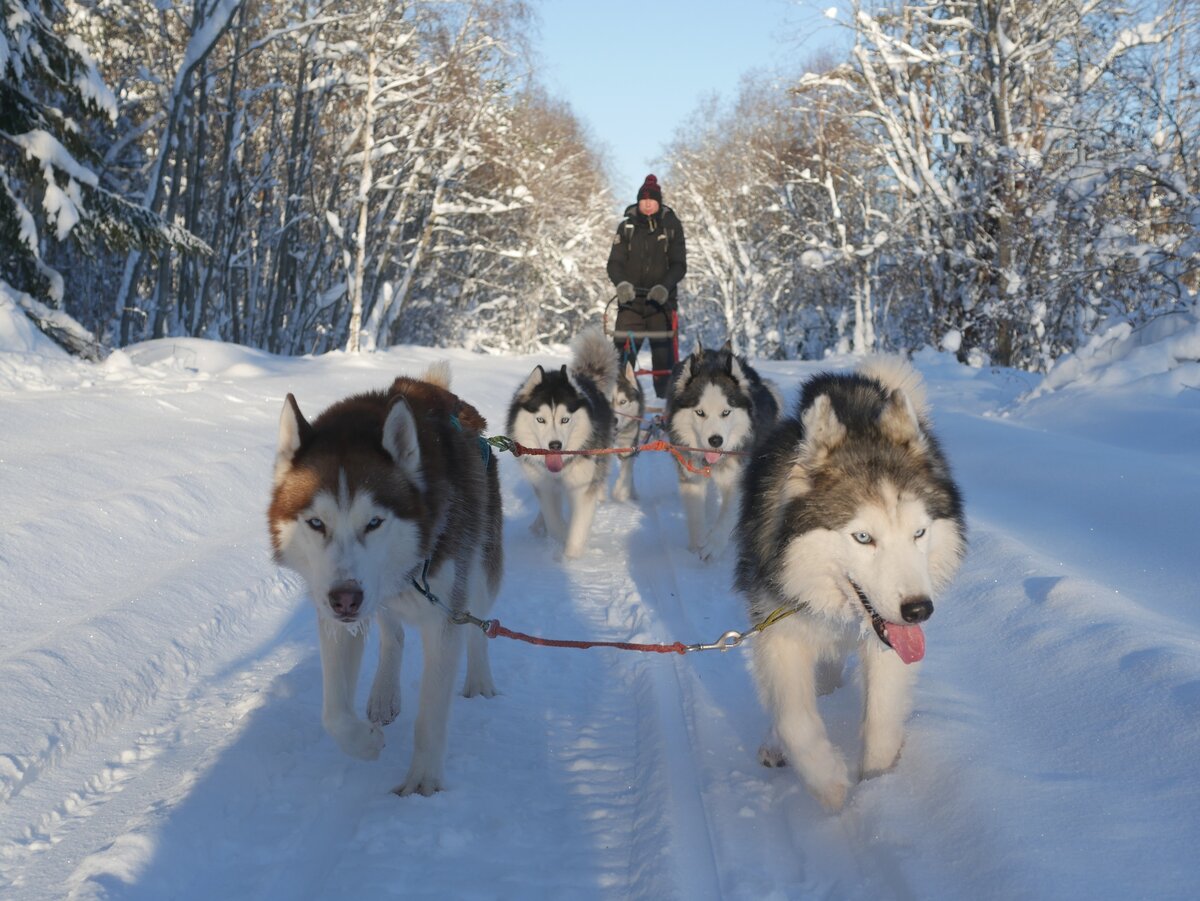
[863, 537]
[374, 524]
[920, 533]
[316, 525]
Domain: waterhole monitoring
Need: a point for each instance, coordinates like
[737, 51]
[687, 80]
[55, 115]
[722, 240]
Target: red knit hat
[650, 189]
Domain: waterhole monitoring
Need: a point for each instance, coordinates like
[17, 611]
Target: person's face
[647, 206]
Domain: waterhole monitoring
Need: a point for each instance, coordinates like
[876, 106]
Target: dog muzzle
[908, 641]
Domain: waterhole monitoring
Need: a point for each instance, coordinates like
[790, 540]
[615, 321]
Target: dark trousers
[642, 315]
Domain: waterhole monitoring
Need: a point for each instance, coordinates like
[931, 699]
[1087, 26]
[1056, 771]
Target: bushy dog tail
[896, 373]
[438, 374]
[595, 357]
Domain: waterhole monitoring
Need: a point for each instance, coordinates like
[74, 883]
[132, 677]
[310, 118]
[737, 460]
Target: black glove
[625, 292]
[658, 294]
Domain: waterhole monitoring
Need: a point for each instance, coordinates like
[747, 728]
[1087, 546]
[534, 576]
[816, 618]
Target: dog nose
[716, 440]
[345, 598]
[555, 445]
[917, 610]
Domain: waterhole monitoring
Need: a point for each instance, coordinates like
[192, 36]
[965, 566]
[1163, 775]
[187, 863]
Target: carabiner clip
[730, 639]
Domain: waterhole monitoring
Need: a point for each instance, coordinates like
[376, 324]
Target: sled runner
[612, 311]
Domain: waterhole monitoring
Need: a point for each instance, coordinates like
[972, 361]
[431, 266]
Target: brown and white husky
[378, 490]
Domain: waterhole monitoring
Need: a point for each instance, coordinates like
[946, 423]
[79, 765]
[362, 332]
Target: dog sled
[612, 311]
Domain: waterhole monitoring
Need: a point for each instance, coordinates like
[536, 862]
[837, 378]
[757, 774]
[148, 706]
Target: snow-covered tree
[1021, 152]
[51, 192]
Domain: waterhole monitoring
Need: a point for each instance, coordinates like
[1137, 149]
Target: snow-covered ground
[160, 683]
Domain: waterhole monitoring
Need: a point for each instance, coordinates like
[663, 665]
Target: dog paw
[383, 706]
[623, 491]
[426, 784]
[832, 795]
[876, 763]
[713, 546]
[479, 688]
[360, 739]
[772, 756]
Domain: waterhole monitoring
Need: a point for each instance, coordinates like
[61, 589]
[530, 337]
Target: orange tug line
[517, 449]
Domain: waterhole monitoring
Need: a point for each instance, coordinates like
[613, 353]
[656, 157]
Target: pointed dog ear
[898, 420]
[400, 440]
[535, 379]
[734, 367]
[686, 371]
[823, 432]
[294, 430]
[630, 372]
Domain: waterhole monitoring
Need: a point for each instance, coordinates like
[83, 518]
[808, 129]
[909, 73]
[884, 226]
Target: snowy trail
[160, 736]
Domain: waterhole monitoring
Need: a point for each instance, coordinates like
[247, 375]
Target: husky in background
[375, 489]
[850, 518]
[716, 401]
[629, 405]
[568, 410]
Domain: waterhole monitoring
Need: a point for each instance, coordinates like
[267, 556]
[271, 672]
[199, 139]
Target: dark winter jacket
[648, 251]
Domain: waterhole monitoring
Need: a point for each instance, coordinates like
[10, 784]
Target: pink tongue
[907, 641]
[554, 462]
[711, 457]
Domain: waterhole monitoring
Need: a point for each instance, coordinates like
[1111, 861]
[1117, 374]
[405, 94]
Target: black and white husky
[850, 517]
[629, 406]
[380, 489]
[716, 401]
[568, 409]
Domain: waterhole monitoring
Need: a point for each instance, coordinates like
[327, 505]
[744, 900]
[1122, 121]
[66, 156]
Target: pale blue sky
[635, 70]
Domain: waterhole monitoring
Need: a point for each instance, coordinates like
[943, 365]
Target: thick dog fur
[851, 517]
[365, 495]
[568, 410]
[716, 401]
[629, 406]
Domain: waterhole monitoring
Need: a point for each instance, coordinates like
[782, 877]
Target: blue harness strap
[485, 449]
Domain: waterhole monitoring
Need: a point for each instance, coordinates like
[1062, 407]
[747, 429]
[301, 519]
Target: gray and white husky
[850, 518]
[629, 406]
[375, 490]
[718, 402]
[568, 409]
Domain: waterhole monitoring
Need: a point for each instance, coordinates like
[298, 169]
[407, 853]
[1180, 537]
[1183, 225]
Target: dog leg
[583, 511]
[693, 493]
[440, 642]
[722, 529]
[888, 684]
[383, 705]
[623, 489]
[479, 670]
[341, 656]
[785, 666]
[549, 500]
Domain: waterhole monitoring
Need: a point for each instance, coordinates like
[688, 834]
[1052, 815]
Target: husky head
[550, 411]
[346, 509]
[875, 521]
[709, 402]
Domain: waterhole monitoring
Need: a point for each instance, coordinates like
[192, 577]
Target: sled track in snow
[81, 761]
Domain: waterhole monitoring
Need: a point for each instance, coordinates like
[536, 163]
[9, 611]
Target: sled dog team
[845, 515]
